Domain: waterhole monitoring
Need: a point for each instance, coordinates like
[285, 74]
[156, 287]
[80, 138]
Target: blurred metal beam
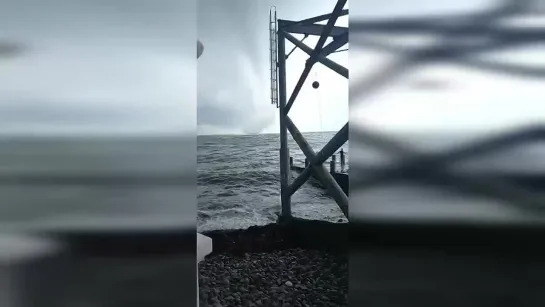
[413, 162]
[444, 49]
[438, 174]
[316, 19]
[315, 30]
[460, 38]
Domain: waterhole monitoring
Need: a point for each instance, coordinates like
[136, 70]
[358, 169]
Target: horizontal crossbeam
[470, 30]
[313, 20]
[315, 30]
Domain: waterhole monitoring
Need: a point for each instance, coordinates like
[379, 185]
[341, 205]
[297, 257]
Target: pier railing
[316, 167]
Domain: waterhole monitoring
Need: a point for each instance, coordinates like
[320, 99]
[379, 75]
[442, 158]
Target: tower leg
[284, 150]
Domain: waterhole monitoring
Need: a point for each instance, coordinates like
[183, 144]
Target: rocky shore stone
[293, 263]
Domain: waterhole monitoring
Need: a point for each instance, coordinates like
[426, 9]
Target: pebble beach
[292, 277]
[300, 263]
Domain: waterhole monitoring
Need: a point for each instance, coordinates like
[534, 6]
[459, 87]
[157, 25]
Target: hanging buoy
[315, 84]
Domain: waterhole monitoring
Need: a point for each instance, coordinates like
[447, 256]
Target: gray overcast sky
[463, 98]
[123, 66]
[233, 86]
[126, 66]
[233, 72]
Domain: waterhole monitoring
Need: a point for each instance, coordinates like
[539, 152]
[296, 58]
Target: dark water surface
[236, 183]
[239, 181]
[98, 204]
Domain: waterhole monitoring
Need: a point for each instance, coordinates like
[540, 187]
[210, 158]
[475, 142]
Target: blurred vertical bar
[97, 152]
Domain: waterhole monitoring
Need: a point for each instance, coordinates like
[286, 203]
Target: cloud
[11, 48]
[233, 79]
[236, 96]
[234, 70]
[100, 66]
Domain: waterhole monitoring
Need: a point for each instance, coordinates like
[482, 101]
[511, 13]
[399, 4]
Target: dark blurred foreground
[110, 270]
[98, 221]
